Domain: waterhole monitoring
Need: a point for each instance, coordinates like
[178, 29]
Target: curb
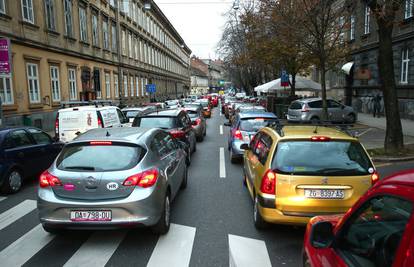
[385, 159]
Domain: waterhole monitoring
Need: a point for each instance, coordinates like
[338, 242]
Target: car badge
[91, 181]
[325, 180]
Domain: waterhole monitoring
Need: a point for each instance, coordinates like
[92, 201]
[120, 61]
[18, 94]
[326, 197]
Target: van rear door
[74, 122]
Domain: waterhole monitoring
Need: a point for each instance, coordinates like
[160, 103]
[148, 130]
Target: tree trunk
[323, 85]
[394, 140]
[293, 86]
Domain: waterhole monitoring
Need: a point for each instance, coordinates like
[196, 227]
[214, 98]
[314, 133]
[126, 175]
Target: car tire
[205, 131]
[244, 180]
[52, 230]
[188, 158]
[315, 120]
[233, 159]
[13, 182]
[195, 146]
[200, 138]
[258, 220]
[185, 179]
[163, 225]
[351, 118]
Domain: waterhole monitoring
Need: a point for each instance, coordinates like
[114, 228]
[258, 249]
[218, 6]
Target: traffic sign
[284, 79]
[151, 88]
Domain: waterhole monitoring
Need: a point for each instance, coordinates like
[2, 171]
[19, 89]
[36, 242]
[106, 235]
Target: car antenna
[108, 134]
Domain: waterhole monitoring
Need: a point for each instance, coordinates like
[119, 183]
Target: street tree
[385, 12]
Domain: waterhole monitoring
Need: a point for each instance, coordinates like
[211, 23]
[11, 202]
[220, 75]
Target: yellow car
[297, 172]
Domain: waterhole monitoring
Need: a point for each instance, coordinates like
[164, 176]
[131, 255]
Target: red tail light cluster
[268, 185]
[57, 125]
[238, 135]
[100, 125]
[46, 179]
[144, 179]
[177, 134]
[197, 122]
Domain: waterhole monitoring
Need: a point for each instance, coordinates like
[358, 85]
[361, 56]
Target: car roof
[300, 132]
[192, 108]
[257, 115]
[127, 134]
[165, 113]
[81, 108]
[403, 178]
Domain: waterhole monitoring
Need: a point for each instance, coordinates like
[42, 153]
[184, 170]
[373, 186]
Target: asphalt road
[212, 219]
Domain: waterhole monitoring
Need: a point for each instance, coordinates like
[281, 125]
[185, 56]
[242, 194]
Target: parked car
[73, 121]
[172, 104]
[132, 112]
[377, 231]
[197, 120]
[297, 172]
[310, 110]
[86, 188]
[206, 107]
[243, 129]
[24, 153]
[175, 121]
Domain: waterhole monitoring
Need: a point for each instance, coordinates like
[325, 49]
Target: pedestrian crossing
[174, 249]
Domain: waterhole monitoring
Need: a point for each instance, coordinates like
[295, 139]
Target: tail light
[238, 135]
[197, 122]
[320, 138]
[177, 134]
[305, 108]
[374, 178]
[57, 125]
[144, 179]
[268, 185]
[100, 125]
[100, 143]
[46, 179]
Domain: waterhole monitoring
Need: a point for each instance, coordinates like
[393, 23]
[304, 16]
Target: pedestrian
[377, 105]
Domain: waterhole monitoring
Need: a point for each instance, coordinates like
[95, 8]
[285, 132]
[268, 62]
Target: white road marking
[174, 249]
[2, 198]
[246, 252]
[97, 250]
[25, 247]
[222, 163]
[15, 213]
[221, 129]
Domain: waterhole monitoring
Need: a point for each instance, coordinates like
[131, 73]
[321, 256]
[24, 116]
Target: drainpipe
[118, 48]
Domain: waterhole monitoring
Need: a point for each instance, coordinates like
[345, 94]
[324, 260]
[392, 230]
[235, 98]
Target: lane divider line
[246, 252]
[2, 198]
[222, 163]
[221, 129]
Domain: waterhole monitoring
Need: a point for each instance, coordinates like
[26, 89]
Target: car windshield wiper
[86, 168]
[338, 170]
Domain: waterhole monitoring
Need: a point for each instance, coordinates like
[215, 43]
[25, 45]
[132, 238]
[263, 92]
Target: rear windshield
[334, 158]
[192, 113]
[155, 122]
[254, 125]
[96, 158]
[131, 114]
[296, 105]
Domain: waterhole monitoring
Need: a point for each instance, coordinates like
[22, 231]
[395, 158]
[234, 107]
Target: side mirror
[322, 235]
[245, 146]
[227, 124]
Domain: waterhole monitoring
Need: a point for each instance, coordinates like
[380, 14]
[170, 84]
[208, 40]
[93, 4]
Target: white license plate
[90, 215]
[324, 193]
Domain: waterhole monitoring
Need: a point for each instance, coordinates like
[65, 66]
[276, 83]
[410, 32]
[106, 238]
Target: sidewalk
[369, 120]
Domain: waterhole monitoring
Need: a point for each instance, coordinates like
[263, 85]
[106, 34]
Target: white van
[73, 121]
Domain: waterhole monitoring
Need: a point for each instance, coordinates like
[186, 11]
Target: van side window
[121, 116]
[263, 147]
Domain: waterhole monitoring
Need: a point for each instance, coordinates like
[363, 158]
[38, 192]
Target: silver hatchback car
[310, 110]
[111, 178]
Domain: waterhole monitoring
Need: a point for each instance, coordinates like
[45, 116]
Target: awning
[347, 67]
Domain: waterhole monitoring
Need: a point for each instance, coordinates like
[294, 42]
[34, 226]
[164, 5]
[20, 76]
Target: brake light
[145, 179]
[46, 179]
[305, 108]
[320, 138]
[100, 125]
[57, 125]
[268, 185]
[374, 178]
[197, 122]
[238, 135]
[100, 143]
[177, 134]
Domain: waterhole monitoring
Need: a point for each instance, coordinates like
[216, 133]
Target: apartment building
[74, 50]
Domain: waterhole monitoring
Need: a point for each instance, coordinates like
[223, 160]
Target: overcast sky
[199, 22]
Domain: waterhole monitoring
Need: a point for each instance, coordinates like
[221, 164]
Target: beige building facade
[79, 50]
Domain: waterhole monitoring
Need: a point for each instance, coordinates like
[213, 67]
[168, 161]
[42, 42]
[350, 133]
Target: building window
[83, 26]
[27, 11]
[114, 38]
[367, 16]
[142, 87]
[50, 14]
[105, 34]
[131, 83]
[95, 32]
[72, 84]
[55, 83]
[405, 62]
[130, 45]
[107, 85]
[136, 48]
[6, 90]
[2, 7]
[408, 10]
[98, 94]
[67, 6]
[123, 41]
[112, 3]
[33, 82]
[125, 85]
[116, 87]
[137, 85]
[352, 30]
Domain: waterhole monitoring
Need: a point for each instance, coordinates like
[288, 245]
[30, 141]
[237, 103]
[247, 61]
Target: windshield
[255, 124]
[192, 113]
[155, 122]
[332, 158]
[95, 158]
[172, 102]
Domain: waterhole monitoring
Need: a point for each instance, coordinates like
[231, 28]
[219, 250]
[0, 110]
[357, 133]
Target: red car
[377, 231]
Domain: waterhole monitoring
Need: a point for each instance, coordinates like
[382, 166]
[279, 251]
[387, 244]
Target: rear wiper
[336, 170]
[86, 168]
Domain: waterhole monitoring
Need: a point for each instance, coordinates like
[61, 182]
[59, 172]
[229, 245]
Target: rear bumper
[198, 130]
[140, 208]
[235, 148]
